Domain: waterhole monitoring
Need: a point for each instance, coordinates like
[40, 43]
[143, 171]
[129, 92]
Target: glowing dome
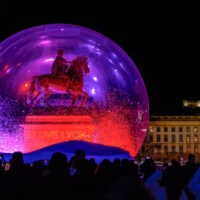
[117, 101]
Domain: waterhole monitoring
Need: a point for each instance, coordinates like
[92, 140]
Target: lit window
[187, 129]
[158, 129]
[165, 138]
[180, 129]
[165, 129]
[173, 138]
[195, 138]
[188, 149]
[187, 138]
[180, 138]
[195, 129]
[158, 138]
[195, 149]
[173, 149]
[180, 149]
[173, 129]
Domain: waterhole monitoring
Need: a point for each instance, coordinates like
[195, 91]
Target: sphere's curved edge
[41, 27]
[113, 75]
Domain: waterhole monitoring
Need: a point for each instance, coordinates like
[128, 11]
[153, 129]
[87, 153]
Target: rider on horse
[60, 81]
[59, 64]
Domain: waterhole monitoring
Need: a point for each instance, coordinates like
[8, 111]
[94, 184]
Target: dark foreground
[84, 179]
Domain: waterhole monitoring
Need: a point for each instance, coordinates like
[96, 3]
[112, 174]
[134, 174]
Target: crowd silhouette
[84, 179]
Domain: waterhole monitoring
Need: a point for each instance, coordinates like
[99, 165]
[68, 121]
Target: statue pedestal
[42, 131]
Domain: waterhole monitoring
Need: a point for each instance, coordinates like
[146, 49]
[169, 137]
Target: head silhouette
[80, 155]
[17, 158]
[191, 158]
[60, 52]
[58, 162]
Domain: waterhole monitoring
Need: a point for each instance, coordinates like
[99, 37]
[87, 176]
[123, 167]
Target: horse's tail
[31, 90]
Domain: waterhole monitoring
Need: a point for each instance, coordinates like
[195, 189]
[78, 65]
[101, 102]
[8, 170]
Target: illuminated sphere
[117, 94]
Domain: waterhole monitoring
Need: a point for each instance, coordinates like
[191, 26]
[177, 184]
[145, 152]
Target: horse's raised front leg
[85, 97]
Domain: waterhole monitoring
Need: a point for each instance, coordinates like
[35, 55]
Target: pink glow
[45, 42]
[49, 60]
[10, 143]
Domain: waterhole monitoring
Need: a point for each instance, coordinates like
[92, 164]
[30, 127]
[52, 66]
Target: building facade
[172, 137]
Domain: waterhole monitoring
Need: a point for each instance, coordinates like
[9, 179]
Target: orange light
[26, 85]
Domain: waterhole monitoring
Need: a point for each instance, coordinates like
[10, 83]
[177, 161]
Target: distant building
[171, 137]
[194, 104]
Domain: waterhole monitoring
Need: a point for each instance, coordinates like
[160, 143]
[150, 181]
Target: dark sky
[162, 40]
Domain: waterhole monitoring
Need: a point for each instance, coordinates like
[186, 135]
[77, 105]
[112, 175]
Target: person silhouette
[59, 64]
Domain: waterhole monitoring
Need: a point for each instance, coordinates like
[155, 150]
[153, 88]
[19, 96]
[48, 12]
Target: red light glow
[43, 131]
[23, 89]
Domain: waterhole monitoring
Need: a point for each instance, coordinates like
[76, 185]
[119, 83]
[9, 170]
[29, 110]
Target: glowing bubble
[117, 102]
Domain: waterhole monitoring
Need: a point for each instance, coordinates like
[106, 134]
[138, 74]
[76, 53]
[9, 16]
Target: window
[173, 138]
[187, 138]
[195, 129]
[195, 138]
[195, 149]
[180, 149]
[151, 138]
[180, 138]
[158, 129]
[165, 149]
[165, 129]
[150, 129]
[158, 138]
[165, 138]
[173, 129]
[188, 149]
[187, 129]
[180, 129]
[173, 149]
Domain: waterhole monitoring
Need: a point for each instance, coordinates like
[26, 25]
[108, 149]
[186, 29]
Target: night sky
[162, 40]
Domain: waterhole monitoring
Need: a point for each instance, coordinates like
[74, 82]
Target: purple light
[49, 60]
[110, 60]
[114, 55]
[95, 78]
[113, 79]
[93, 91]
[45, 42]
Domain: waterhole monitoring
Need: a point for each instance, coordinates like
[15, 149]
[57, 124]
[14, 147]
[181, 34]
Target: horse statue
[69, 83]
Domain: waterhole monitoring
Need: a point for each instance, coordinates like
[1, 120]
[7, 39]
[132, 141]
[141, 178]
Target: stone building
[171, 137]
